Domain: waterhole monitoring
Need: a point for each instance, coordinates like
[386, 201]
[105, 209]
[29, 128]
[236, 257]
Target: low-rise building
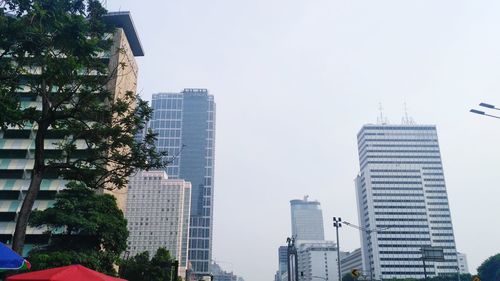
[221, 275]
[317, 260]
[351, 260]
[462, 263]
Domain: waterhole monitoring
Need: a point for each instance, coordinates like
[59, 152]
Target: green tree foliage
[489, 270]
[54, 78]
[141, 268]
[348, 277]
[84, 228]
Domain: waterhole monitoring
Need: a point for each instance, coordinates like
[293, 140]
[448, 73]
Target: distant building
[462, 263]
[283, 262]
[350, 261]
[185, 124]
[317, 260]
[220, 275]
[402, 199]
[277, 276]
[158, 215]
[307, 220]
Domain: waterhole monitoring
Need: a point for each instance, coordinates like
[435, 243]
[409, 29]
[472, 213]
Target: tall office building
[402, 201]
[17, 144]
[157, 213]
[185, 124]
[307, 220]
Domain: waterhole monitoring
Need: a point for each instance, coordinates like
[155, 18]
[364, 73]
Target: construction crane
[368, 231]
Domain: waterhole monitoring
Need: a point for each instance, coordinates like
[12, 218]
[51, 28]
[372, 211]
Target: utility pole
[338, 223]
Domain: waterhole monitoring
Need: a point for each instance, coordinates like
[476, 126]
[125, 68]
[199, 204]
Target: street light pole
[489, 106]
[338, 223]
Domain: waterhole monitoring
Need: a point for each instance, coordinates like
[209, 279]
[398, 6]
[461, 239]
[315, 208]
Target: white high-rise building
[317, 260]
[462, 263]
[402, 199]
[157, 212]
[307, 220]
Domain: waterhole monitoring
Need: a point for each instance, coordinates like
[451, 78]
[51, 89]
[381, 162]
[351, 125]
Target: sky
[295, 80]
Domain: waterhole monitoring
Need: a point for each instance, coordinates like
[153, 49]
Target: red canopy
[72, 272]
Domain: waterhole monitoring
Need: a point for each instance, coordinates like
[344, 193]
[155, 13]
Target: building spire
[407, 120]
[381, 119]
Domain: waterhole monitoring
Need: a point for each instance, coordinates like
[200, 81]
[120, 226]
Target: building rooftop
[124, 20]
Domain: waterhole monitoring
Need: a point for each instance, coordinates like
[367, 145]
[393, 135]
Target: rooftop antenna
[381, 119]
[407, 120]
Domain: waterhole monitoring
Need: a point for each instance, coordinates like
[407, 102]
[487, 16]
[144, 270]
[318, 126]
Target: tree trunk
[36, 179]
[24, 213]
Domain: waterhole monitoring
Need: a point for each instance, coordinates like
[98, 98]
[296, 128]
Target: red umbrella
[72, 272]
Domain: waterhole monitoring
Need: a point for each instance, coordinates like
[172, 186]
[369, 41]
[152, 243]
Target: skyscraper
[402, 201]
[307, 220]
[158, 215]
[185, 124]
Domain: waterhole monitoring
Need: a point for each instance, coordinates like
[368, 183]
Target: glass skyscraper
[402, 202]
[185, 124]
[307, 220]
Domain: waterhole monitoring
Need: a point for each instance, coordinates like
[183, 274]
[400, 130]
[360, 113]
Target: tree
[489, 270]
[84, 227]
[141, 268]
[348, 277]
[56, 49]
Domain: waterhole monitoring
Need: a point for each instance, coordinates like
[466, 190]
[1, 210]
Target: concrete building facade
[221, 275]
[317, 260]
[17, 144]
[158, 211]
[185, 124]
[462, 263]
[307, 220]
[352, 260]
[402, 201]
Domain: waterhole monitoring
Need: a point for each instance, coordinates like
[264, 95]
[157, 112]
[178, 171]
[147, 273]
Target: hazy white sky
[295, 80]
